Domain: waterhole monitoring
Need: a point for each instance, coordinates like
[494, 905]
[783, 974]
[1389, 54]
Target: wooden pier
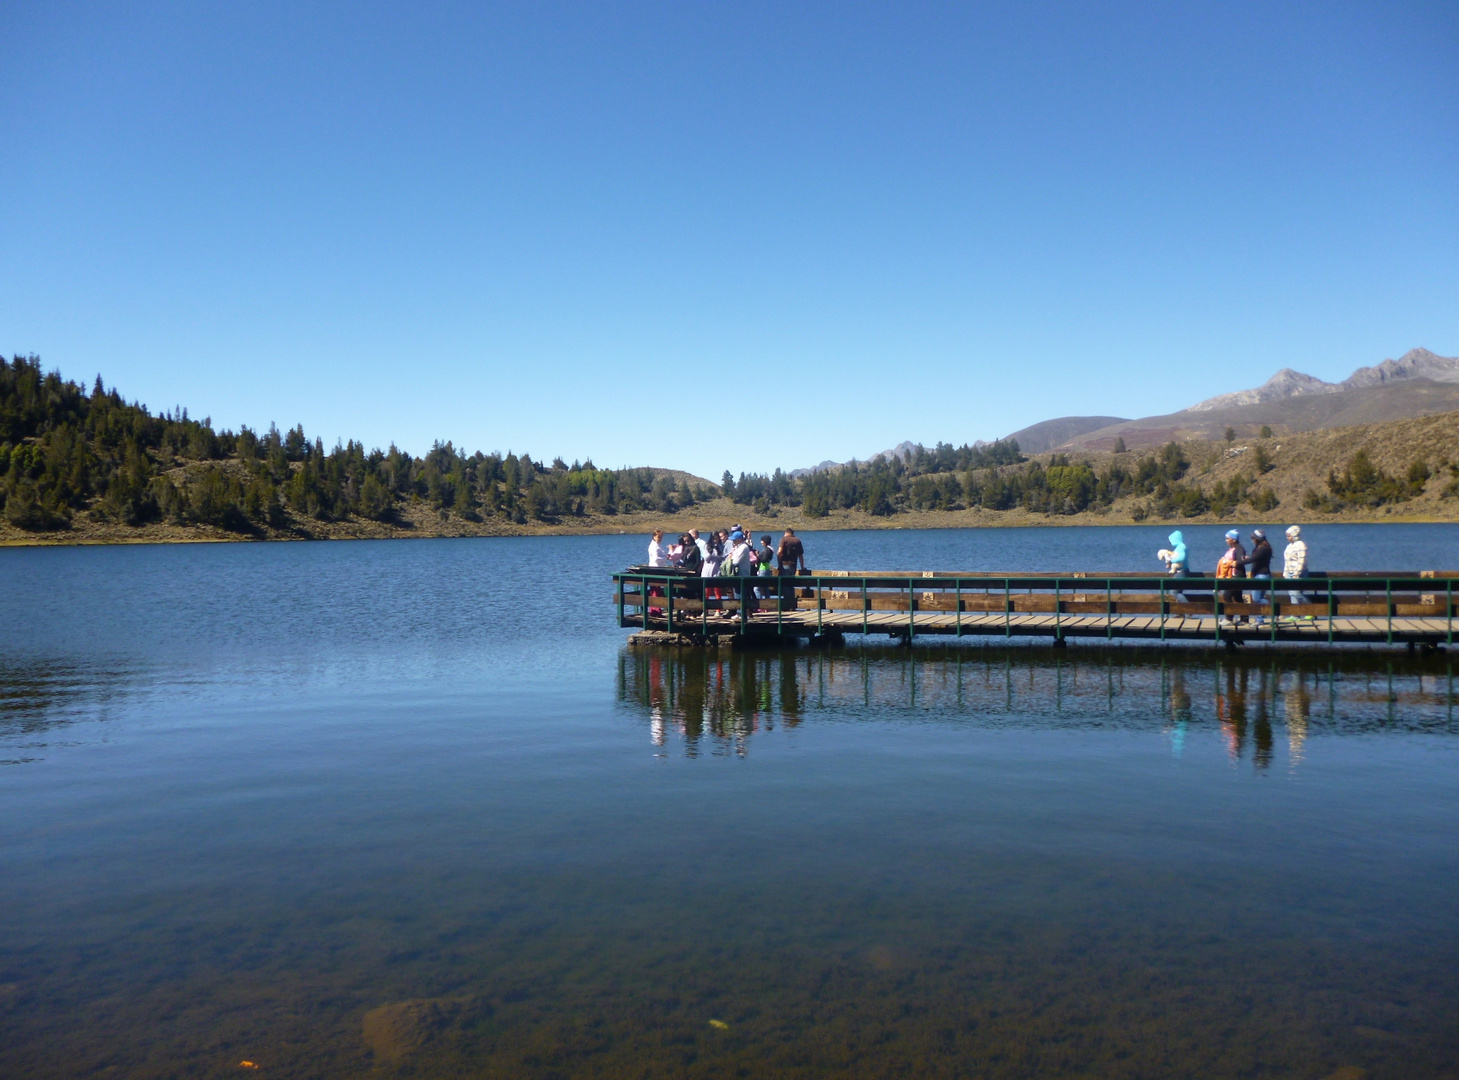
[1409, 608]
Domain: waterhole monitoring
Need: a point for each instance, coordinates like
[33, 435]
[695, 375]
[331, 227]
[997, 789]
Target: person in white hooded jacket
[1294, 563]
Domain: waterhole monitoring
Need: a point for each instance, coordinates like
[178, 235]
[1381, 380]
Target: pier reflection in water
[354, 811]
[715, 701]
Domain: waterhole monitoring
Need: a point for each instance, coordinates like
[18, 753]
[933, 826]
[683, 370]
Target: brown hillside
[1300, 463]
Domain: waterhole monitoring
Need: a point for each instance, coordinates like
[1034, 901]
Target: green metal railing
[666, 596]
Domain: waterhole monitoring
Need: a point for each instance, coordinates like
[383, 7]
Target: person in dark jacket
[693, 558]
[1259, 564]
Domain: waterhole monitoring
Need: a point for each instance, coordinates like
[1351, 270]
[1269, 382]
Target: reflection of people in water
[717, 699]
[1298, 708]
[1231, 710]
[1180, 711]
[1262, 726]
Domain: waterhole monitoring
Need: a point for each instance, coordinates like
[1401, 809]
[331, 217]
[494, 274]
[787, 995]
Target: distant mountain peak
[1284, 384]
[902, 450]
[1414, 364]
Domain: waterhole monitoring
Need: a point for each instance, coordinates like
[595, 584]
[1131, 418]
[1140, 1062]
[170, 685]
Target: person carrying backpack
[1231, 566]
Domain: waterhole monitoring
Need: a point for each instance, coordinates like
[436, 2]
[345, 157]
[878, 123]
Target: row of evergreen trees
[994, 476]
[997, 476]
[65, 451]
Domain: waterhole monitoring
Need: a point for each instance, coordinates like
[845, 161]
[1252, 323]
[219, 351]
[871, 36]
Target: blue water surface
[412, 808]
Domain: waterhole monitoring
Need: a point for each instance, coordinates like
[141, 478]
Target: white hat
[1294, 530]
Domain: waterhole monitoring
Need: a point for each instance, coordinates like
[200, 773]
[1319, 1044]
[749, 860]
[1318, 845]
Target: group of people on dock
[729, 553]
[1236, 564]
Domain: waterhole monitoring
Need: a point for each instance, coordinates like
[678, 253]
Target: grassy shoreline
[423, 523]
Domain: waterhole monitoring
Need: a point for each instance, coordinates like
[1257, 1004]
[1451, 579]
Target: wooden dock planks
[1397, 609]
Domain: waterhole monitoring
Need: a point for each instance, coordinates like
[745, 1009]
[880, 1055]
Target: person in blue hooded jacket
[1175, 559]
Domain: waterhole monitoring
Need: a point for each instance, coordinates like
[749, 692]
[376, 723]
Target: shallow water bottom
[693, 886]
[1049, 978]
[351, 811]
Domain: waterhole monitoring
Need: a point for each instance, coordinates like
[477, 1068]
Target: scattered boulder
[404, 1027]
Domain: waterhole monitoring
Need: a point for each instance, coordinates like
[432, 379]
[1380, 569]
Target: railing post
[911, 610]
[1058, 612]
[864, 607]
[1162, 609]
[669, 607]
[958, 586]
[1216, 605]
[744, 603]
[1388, 606]
[1330, 610]
[618, 580]
[1449, 613]
[820, 603]
[1007, 611]
[1272, 602]
[1109, 609]
[643, 597]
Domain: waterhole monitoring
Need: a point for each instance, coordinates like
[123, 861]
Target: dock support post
[1007, 611]
[911, 612]
[1162, 609]
[959, 598]
[1388, 606]
[1058, 613]
[1449, 614]
[1109, 609]
[863, 607]
[1330, 610]
[620, 600]
[744, 603]
[669, 607]
[643, 597]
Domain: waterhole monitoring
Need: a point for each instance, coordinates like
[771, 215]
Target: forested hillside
[89, 465]
[1177, 481]
[66, 452]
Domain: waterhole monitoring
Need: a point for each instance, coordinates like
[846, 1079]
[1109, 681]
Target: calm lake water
[411, 808]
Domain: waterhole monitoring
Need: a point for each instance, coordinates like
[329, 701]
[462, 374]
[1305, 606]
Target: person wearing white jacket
[1294, 563]
[658, 551]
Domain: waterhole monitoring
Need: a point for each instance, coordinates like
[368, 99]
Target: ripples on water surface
[411, 809]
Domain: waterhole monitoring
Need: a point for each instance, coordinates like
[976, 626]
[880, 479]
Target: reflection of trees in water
[38, 698]
[723, 698]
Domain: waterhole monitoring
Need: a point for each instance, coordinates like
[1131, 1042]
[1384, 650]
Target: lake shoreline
[422, 523]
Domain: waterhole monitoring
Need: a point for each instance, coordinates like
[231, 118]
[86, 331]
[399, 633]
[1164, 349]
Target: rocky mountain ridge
[1287, 383]
[1418, 383]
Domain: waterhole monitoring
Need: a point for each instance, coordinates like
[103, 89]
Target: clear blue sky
[580, 229]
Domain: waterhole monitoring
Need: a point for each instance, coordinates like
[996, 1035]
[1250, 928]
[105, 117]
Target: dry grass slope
[1300, 463]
